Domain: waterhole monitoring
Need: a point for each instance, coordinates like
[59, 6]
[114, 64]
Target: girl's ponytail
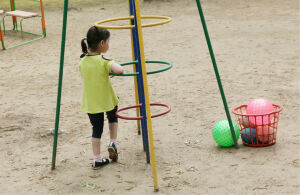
[84, 46]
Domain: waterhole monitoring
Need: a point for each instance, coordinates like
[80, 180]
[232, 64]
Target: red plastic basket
[257, 130]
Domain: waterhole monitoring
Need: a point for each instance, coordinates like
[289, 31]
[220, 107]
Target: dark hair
[94, 37]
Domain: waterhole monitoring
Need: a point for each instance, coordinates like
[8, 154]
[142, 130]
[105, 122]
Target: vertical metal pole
[140, 82]
[43, 18]
[216, 71]
[2, 38]
[134, 70]
[146, 92]
[14, 18]
[61, 68]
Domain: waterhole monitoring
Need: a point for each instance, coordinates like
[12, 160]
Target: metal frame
[1, 33]
[212, 55]
[149, 72]
[166, 20]
[15, 26]
[1, 37]
[140, 82]
[141, 117]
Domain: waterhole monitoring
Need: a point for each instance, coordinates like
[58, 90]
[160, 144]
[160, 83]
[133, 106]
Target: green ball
[222, 134]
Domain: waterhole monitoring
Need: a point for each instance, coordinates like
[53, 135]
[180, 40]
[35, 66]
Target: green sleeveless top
[98, 94]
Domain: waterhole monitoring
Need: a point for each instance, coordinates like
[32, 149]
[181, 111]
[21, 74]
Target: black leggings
[97, 121]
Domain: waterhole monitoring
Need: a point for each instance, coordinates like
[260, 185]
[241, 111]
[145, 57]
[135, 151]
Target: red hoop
[141, 117]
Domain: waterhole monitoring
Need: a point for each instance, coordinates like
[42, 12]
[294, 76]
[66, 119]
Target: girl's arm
[117, 68]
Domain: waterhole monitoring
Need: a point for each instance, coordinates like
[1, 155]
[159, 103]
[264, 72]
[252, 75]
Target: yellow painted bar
[135, 81]
[97, 24]
[167, 20]
[148, 112]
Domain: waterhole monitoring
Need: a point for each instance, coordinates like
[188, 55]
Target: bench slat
[22, 14]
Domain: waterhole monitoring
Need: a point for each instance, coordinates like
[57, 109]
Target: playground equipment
[22, 15]
[140, 79]
[1, 32]
[141, 85]
[212, 55]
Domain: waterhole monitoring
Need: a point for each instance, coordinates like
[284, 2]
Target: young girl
[98, 94]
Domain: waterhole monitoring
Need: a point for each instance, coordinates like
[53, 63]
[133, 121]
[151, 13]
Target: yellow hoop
[167, 20]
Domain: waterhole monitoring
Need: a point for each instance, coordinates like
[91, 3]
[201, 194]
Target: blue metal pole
[140, 82]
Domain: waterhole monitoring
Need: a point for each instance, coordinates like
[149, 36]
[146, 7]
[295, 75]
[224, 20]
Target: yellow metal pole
[148, 112]
[135, 80]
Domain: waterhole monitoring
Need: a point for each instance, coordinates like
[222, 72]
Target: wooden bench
[20, 14]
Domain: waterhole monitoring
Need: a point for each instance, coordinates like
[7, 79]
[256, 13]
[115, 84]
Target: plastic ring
[167, 20]
[150, 72]
[140, 117]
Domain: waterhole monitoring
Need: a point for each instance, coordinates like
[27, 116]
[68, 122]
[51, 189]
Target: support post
[61, 68]
[140, 83]
[216, 71]
[43, 19]
[146, 92]
[2, 38]
[134, 70]
[14, 18]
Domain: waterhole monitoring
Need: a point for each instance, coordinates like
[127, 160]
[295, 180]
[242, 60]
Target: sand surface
[256, 44]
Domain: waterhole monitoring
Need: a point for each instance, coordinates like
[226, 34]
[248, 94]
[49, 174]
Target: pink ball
[260, 106]
[265, 133]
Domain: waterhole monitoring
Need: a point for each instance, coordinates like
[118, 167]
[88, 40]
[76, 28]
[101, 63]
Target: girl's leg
[113, 129]
[112, 124]
[96, 144]
[97, 123]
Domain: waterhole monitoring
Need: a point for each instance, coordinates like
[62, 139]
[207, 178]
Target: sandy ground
[256, 43]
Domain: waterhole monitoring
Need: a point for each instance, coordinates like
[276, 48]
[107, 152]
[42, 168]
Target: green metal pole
[26, 42]
[216, 71]
[61, 68]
